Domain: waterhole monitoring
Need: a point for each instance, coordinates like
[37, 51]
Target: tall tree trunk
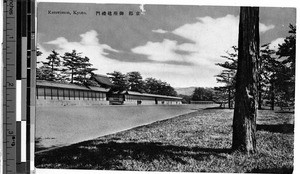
[260, 83]
[272, 88]
[229, 96]
[52, 70]
[245, 110]
[72, 75]
[259, 95]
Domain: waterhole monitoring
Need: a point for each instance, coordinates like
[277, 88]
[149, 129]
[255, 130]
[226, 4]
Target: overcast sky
[177, 44]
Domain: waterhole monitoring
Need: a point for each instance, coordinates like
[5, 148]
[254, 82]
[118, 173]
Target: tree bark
[260, 83]
[72, 75]
[272, 95]
[259, 95]
[245, 110]
[229, 96]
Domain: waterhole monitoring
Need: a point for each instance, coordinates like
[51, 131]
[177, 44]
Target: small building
[136, 98]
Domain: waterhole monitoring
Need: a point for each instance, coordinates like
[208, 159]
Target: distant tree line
[203, 94]
[198, 94]
[276, 71]
[74, 68]
[133, 81]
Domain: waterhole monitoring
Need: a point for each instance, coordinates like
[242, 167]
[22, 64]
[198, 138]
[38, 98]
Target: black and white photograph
[165, 88]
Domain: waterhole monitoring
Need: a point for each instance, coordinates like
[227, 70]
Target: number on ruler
[13, 141]
[10, 84]
[10, 132]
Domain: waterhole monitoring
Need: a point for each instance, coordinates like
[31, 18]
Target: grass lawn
[195, 142]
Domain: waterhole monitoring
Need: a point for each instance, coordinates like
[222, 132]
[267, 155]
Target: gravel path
[59, 126]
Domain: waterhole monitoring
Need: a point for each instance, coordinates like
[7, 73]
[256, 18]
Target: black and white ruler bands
[19, 59]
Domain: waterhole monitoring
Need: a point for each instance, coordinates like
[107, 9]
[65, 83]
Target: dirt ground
[58, 126]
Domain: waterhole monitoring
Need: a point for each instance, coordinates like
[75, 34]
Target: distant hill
[185, 91]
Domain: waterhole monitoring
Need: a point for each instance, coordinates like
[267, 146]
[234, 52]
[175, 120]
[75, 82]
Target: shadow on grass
[40, 148]
[277, 128]
[264, 109]
[283, 170]
[38, 145]
[217, 107]
[285, 112]
[109, 156]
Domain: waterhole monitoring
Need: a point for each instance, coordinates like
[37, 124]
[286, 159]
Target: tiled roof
[94, 88]
[68, 86]
[152, 95]
[101, 79]
[59, 85]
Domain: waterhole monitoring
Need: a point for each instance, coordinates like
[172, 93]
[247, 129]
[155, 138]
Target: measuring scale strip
[18, 42]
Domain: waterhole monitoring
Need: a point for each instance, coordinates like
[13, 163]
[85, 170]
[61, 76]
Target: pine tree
[119, 80]
[77, 67]
[267, 75]
[286, 75]
[50, 68]
[228, 75]
[135, 81]
[84, 72]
